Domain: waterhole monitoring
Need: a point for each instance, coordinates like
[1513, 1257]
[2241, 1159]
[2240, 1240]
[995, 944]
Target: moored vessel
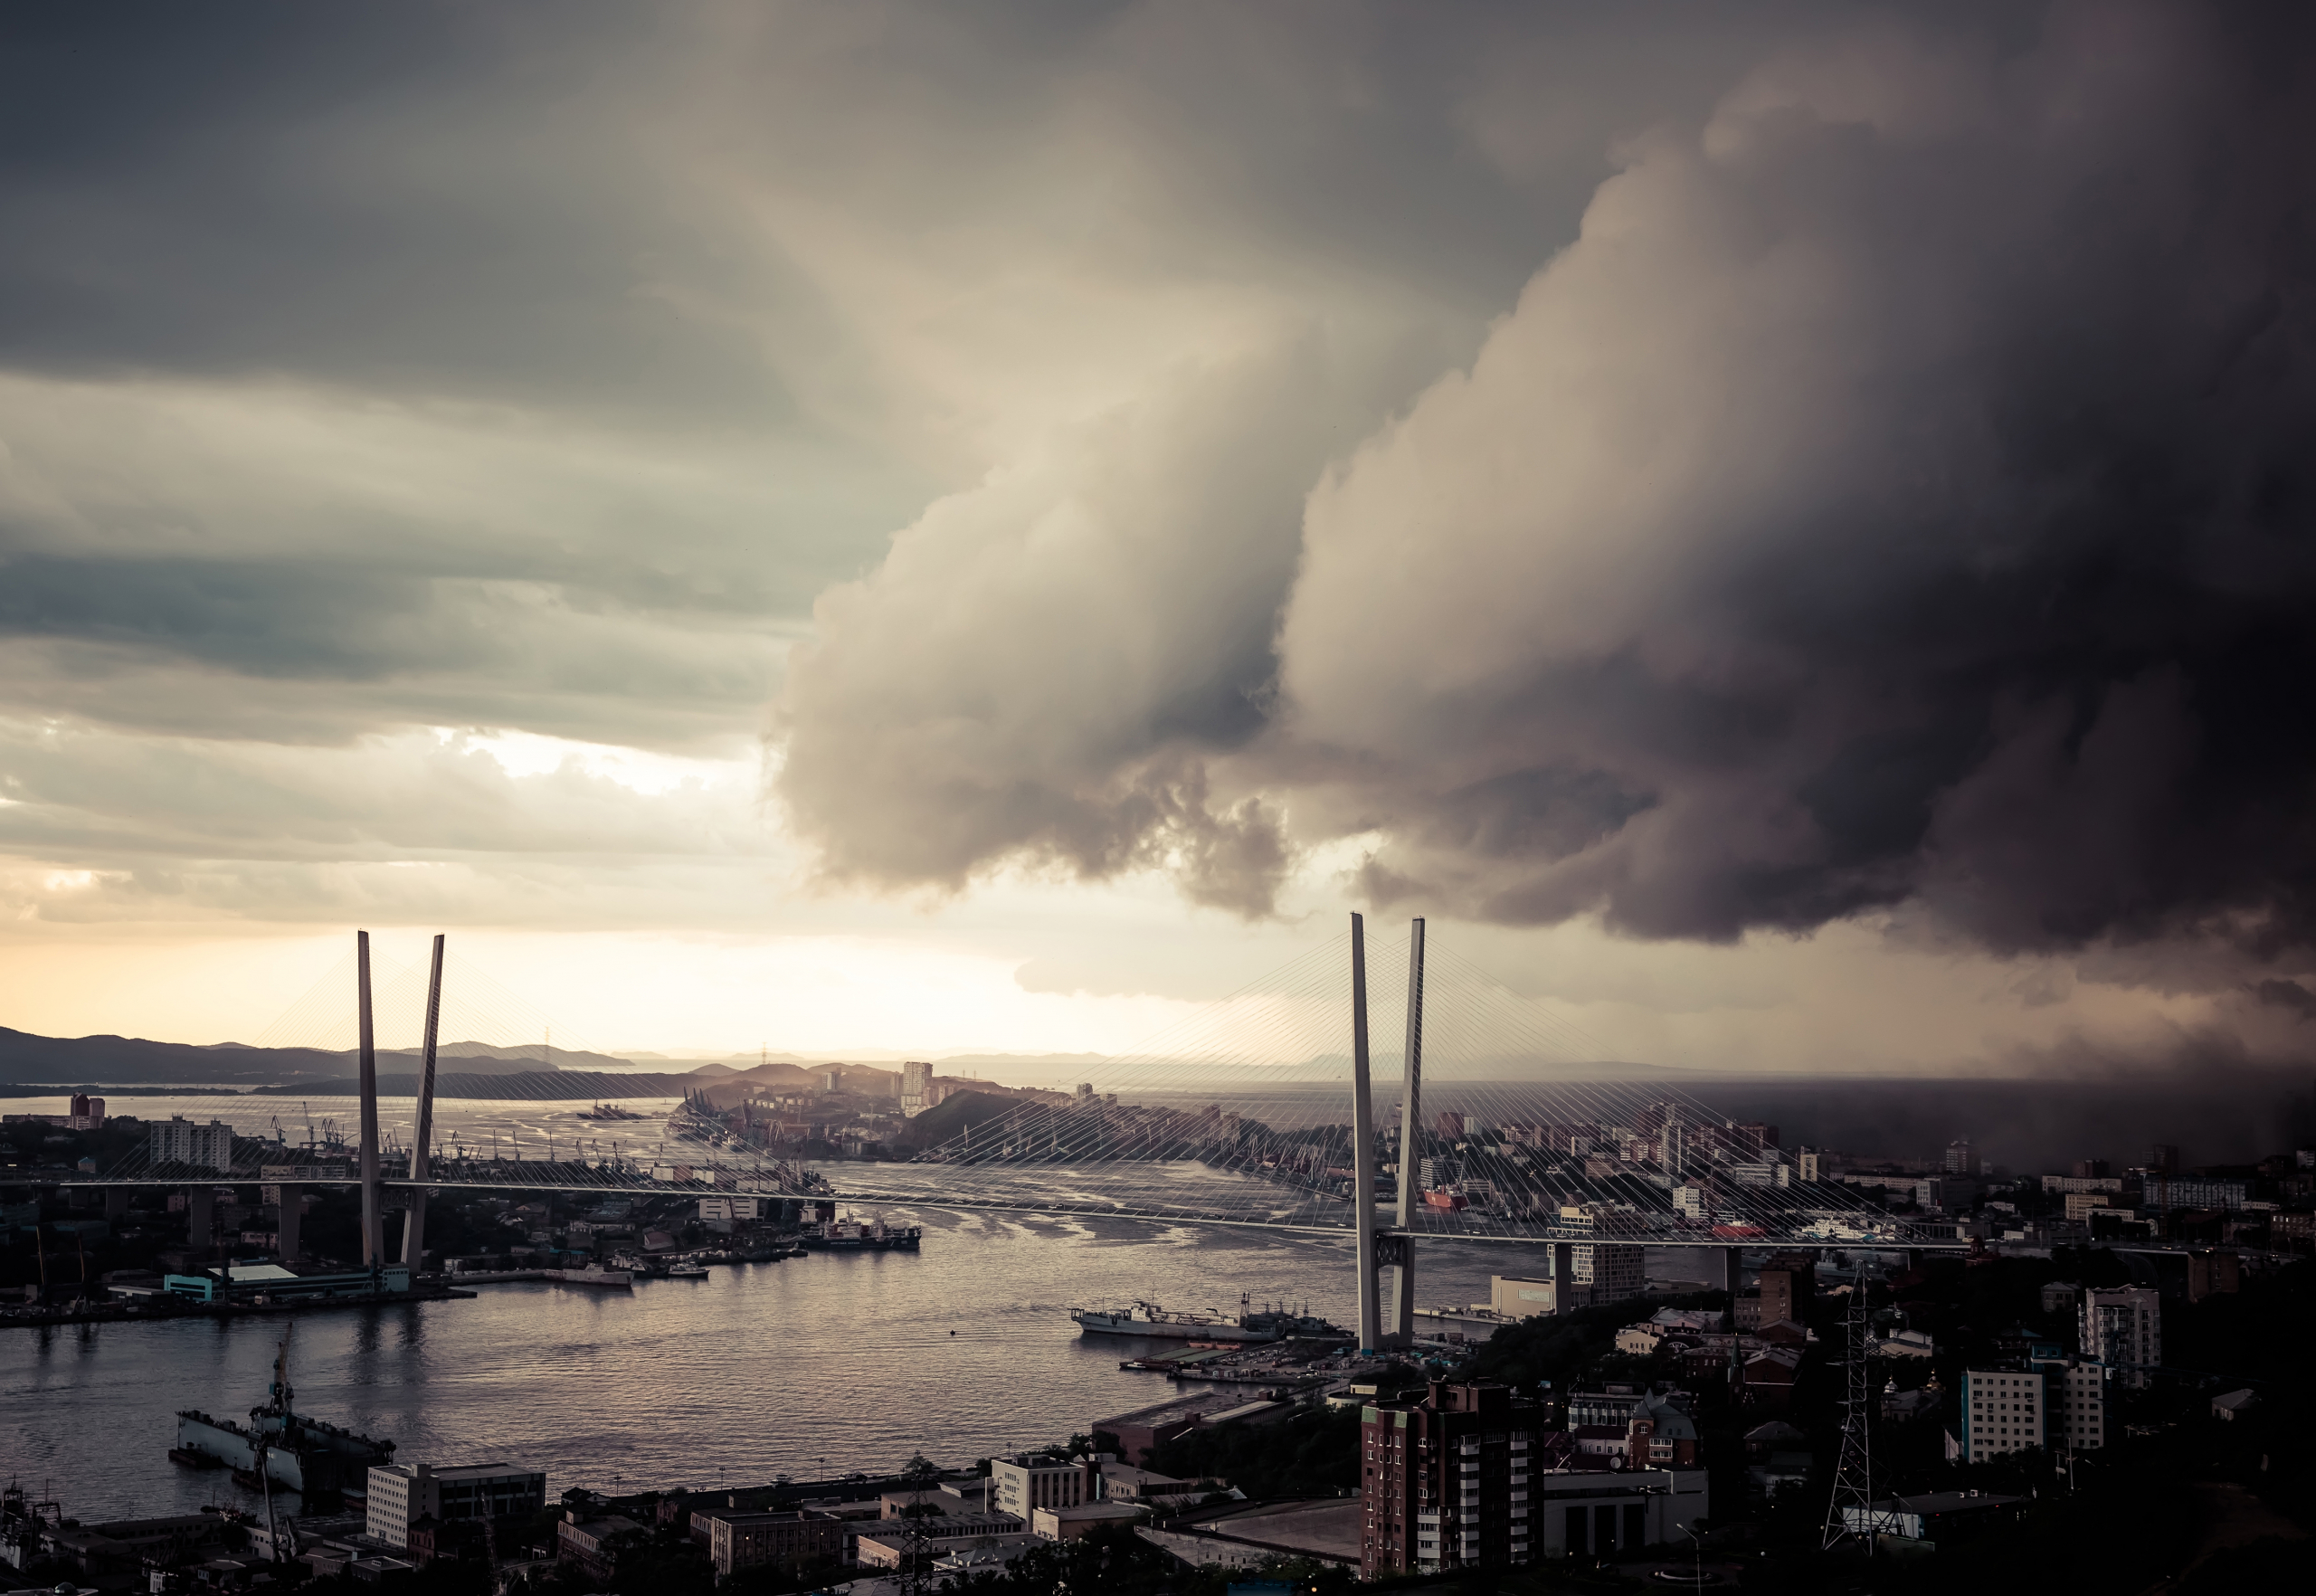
[851, 1235]
[314, 1458]
[614, 1279]
[1148, 1320]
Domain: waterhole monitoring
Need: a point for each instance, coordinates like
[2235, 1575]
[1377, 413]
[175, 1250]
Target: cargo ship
[1148, 1320]
[316, 1460]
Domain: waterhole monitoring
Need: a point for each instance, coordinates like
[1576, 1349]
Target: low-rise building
[1070, 1524]
[1589, 1514]
[1144, 1428]
[1662, 1435]
[2162, 1191]
[268, 1283]
[887, 1543]
[1123, 1482]
[1022, 1485]
[739, 1539]
[1777, 1456]
[2234, 1404]
[994, 1554]
[592, 1542]
[402, 1494]
[1936, 1517]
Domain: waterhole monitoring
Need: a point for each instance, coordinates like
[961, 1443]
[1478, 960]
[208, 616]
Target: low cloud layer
[1897, 499]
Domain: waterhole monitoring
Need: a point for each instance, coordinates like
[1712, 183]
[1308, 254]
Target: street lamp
[1700, 1546]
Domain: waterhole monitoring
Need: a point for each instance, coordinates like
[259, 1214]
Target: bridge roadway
[1497, 1232]
[520, 1178]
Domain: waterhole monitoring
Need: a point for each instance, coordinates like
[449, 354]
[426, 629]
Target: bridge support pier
[1733, 1274]
[1363, 1149]
[1563, 1276]
[289, 1222]
[200, 1218]
[117, 1203]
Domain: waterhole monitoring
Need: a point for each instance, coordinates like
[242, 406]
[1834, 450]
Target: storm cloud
[1896, 498]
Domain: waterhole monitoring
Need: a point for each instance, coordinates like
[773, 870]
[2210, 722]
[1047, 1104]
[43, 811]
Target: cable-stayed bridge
[1386, 1094]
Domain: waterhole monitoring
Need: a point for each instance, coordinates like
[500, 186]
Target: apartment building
[2122, 1327]
[1445, 1481]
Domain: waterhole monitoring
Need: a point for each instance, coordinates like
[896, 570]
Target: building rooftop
[1181, 1406]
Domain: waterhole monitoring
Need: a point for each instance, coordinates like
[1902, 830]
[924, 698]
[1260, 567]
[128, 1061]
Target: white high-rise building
[178, 1140]
[2002, 1412]
[917, 1086]
[2081, 1424]
[1614, 1271]
[2050, 1405]
[1673, 1150]
[2122, 1327]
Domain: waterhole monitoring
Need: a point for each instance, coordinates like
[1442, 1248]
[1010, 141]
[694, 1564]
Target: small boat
[688, 1270]
[189, 1458]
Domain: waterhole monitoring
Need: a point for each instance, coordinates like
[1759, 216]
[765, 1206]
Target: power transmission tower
[1854, 1472]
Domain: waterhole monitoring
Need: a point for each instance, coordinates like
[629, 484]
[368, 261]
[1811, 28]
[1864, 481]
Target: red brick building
[1445, 1480]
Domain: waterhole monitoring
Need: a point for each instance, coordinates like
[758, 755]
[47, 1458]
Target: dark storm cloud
[1919, 510]
[403, 198]
[1899, 494]
[2288, 996]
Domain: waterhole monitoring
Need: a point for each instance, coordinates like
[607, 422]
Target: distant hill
[99, 1061]
[122, 1060]
[559, 1086]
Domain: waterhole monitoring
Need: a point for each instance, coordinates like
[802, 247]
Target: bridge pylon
[374, 1243]
[1363, 1149]
[1402, 1333]
[414, 1224]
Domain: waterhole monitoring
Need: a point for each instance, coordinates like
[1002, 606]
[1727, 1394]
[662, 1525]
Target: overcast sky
[1785, 530]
